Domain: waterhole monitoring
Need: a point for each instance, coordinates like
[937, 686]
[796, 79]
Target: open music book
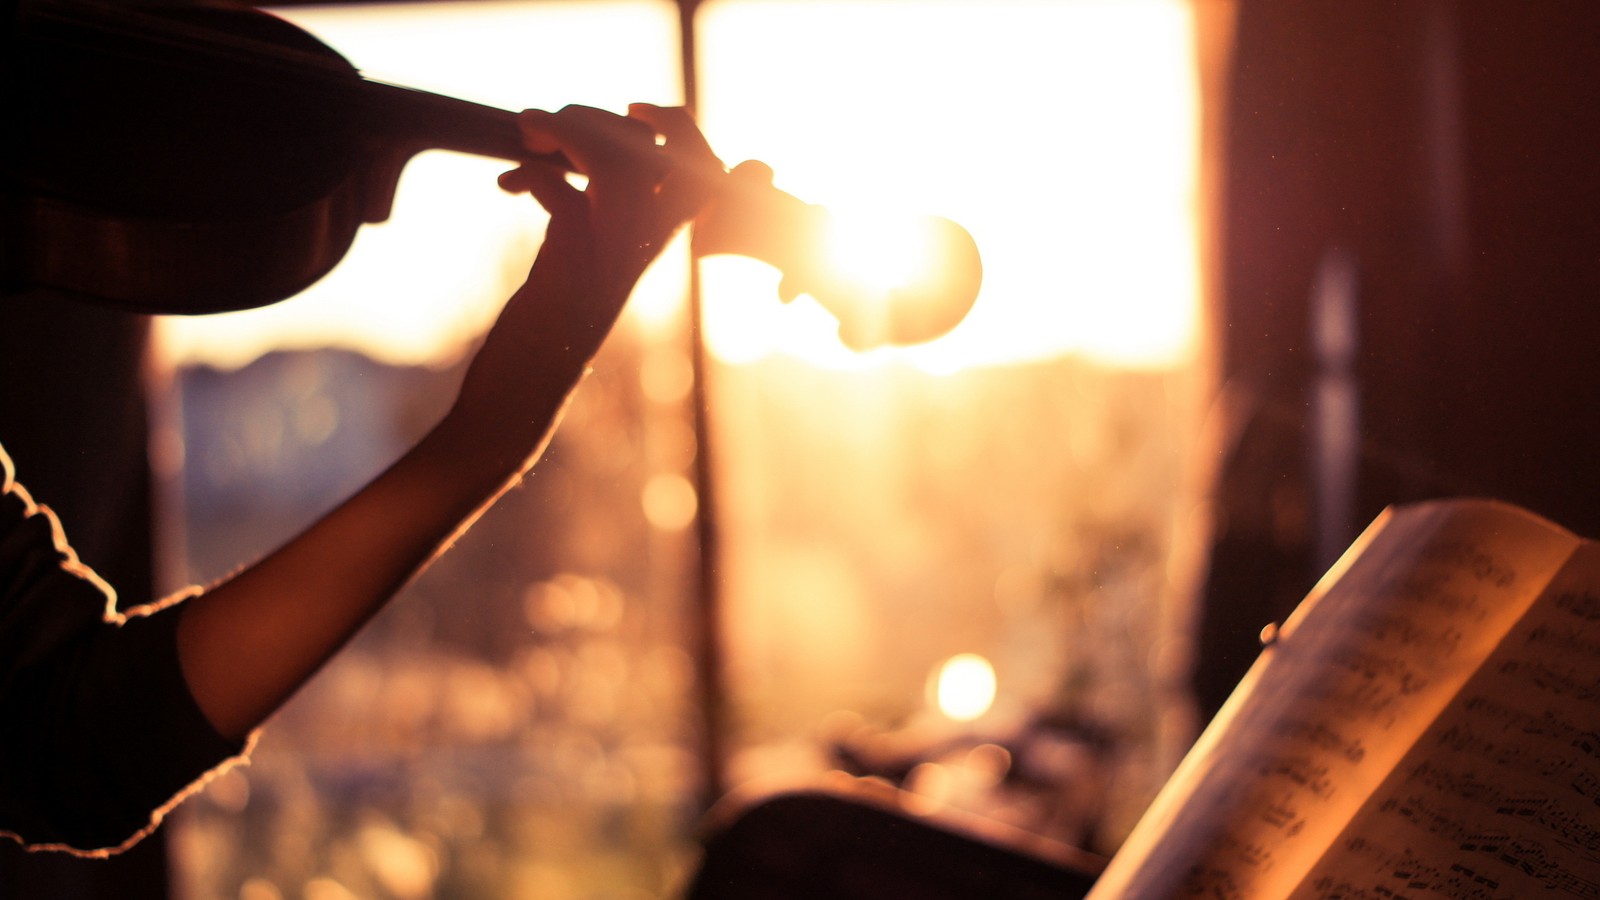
[1426, 724]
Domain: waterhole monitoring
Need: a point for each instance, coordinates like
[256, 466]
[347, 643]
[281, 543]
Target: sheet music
[1500, 799]
[1386, 641]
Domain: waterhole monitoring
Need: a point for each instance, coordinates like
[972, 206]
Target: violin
[198, 157]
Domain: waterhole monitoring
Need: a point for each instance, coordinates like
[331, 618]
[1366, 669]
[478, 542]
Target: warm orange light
[669, 502]
[965, 687]
[871, 248]
[1062, 135]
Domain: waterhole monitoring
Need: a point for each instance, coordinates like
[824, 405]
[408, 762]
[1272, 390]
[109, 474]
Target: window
[1003, 503]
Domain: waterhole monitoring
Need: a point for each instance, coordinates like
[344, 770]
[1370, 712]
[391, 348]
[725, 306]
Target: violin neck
[433, 121]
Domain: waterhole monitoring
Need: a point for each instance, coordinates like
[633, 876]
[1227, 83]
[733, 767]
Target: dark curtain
[1409, 283]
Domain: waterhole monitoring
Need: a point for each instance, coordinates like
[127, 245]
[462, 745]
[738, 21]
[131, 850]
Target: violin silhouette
[199, 158]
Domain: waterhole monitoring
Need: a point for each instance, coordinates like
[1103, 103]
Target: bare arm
[247, 644]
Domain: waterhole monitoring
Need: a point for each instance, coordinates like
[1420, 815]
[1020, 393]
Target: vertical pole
[707, 606]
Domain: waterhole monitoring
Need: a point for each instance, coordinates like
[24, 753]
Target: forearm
[247, 644]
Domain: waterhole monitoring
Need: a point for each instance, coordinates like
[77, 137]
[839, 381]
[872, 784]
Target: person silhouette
[112, 718]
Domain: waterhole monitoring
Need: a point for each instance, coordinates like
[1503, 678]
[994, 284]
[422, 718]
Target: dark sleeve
[99, 735]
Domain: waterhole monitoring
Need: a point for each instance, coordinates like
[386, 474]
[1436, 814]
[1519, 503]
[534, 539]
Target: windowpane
[518, 722]
[963, 551]
[1005, 503]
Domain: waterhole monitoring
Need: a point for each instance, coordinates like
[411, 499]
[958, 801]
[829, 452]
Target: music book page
[1341, 706]
[1500, 799]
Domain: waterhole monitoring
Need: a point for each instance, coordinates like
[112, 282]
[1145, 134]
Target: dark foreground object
[822, 843]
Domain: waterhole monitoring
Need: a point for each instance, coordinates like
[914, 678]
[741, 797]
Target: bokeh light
[965, 686]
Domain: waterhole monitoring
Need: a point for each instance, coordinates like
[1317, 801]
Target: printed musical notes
[1502, 784]
[1424, 726]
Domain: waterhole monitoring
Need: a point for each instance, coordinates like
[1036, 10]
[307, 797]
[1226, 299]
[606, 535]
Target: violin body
[197, 159]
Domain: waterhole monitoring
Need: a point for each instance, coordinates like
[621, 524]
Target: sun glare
[1062, 135]
[868, 247]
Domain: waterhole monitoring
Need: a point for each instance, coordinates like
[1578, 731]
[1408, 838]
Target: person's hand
[647, 174]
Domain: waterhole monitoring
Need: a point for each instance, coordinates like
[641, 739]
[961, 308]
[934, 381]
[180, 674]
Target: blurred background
[943, 565]
[1253, 271]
